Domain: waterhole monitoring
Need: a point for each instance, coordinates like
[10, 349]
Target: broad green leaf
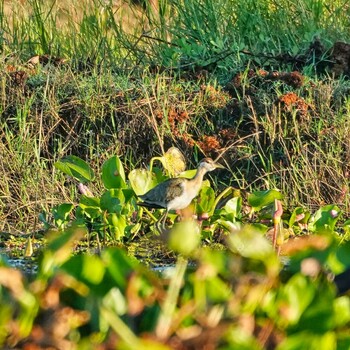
[234, 206]
[308, 341]
[117, 225]
[342, 311]
[343, 341]
[346, 227]
[185, 237]
[260, 199]
[142, 180]
[343, 254]
[90, 206]
[85, 268]
[61, 213]
[188, 174]
[119, 265]
[75, 167]
[113, 175]
[128, 194]
[299, 215]
[324, 220]
[298, 293]
[250, 243]
[206, 199]
[112, 200]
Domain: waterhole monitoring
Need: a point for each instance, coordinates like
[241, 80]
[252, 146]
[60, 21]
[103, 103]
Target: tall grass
[137, 81]
[194, 32]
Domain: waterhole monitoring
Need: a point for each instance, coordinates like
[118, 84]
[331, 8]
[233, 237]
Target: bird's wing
[163, 193]
[175, 189]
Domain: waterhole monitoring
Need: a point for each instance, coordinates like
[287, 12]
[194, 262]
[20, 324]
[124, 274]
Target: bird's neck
[196, 181]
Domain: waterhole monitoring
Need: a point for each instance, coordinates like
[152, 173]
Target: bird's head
[209, 165]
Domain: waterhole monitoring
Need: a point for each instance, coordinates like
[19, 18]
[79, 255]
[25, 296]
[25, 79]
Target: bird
[177, 193]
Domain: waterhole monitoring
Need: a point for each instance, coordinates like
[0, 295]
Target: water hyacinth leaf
[117, 225]
[206, 199]
[112, 200]
[142, 180]
[113, 175]
[342, 255]
[188, 174]
[234, 206]
[250, 243]
[174, 161]
[260, 199]
[185, 237]
[346, 227]
[61, 213]
[90, 206]
[298, 294]
[342, 310]
[128, 194]
[308, 340]
[75, 167]
[88, 269]
[299, 216]
[324, 220]
[59, 247]
[119, 266]
[43, 218]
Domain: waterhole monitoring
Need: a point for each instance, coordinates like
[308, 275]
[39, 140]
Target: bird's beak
[219, 166]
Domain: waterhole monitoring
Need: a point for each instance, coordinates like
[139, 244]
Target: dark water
[149, 251]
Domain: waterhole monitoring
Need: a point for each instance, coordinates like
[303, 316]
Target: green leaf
[142, 180]
[85, 268]
[343, 342]
[188, 174]
[184, 237]
[343, 254]
[298, 293]
[346, 227]
[324, 220]
[308, 341]
[206, 199]
[113, 175]
[234, 206]
[61, 213]
[90, 206]
[250, 243]
[119, 265]
[342, 311]
[75, 167]
[299, 215]
[117, 224]
[112, 200]
[260, 199]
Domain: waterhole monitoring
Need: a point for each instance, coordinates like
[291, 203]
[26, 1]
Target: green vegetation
[93, 95]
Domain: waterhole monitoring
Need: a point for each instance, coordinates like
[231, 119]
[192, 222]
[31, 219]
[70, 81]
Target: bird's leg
[165, 215]
[160, 224]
